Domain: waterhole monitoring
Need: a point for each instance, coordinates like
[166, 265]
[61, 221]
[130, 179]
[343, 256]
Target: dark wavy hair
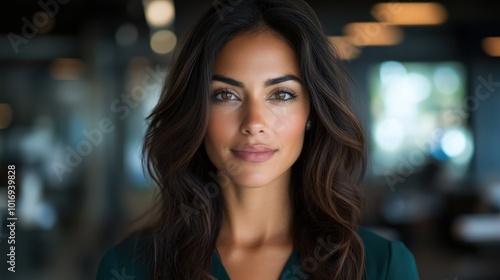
[325, 177]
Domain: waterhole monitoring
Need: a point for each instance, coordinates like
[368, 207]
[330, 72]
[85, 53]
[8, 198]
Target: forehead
[261, 53]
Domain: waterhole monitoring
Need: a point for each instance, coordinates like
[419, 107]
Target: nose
[254, 119]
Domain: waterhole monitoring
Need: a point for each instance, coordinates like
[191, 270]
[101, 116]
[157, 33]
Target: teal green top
[384, 259]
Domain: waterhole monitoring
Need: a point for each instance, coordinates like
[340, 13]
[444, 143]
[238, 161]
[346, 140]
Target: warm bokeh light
[491, 46]
[159, 13]
[373, 34]
[410, 13]
[5, 115]
[44, 22]
[67, 68]
[163, 41]
[345, 49]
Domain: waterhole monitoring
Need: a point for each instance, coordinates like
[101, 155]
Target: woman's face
[258, 110]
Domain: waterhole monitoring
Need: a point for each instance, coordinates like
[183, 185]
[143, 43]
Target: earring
[308, 125]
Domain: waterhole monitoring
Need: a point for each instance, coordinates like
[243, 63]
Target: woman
[258, 157]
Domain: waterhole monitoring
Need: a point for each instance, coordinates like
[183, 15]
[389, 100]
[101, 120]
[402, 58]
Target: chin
[251, 180]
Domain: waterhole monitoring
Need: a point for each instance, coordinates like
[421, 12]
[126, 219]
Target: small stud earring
[308, 125]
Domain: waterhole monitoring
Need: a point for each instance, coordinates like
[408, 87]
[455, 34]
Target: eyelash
[220, 91]
[279, 90]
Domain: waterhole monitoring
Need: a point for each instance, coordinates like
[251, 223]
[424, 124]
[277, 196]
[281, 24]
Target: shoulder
[387, 259]
[132, 257]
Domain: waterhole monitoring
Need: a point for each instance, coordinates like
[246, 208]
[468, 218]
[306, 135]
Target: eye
[284, 95]
[224, 95]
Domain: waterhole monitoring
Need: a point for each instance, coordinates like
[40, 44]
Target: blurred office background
[78, 77]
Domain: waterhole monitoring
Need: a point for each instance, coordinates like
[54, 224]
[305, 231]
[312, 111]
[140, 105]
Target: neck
[254, 216]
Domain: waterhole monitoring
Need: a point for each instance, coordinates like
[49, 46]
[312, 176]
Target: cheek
[218, 130]
[291, 129]
[213, 131]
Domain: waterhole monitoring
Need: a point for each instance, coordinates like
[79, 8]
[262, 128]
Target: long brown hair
[326, 176]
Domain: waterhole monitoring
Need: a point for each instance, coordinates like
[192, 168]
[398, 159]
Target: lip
[254, 153]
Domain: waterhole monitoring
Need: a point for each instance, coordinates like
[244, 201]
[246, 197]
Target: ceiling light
[66, 68]
[345, 49]
[159, 13]
[410, 13]
[373, 34]
[163, 41]
[491, 46]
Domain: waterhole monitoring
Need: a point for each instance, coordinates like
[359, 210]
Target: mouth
[254, 154]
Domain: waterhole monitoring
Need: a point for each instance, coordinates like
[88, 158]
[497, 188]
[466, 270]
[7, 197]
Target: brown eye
[224, 96]
[284, 96]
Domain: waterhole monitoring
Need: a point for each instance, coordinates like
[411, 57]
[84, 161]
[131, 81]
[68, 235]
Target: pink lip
[258, 153]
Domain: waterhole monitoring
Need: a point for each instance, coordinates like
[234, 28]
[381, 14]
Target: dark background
[64, 226]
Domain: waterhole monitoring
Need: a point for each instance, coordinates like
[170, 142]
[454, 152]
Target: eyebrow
[268, 83]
